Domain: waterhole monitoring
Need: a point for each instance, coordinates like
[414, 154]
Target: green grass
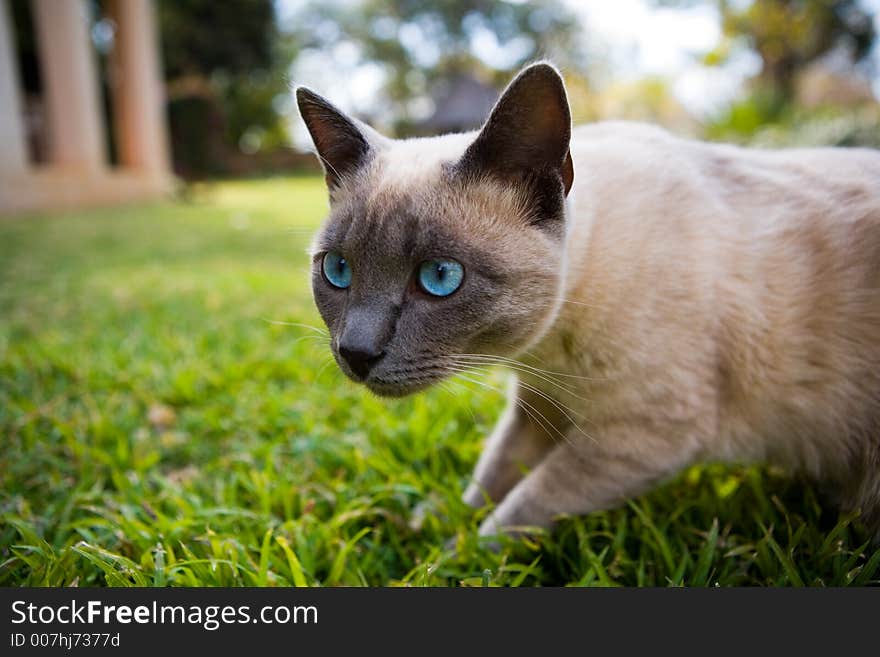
[274, 469]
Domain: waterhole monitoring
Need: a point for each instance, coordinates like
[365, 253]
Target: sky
[641, 39]
[644, 39]
[634, 38]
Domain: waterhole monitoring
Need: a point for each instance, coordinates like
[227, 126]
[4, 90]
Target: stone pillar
[70, 84]
[138, 96]
[13, 148]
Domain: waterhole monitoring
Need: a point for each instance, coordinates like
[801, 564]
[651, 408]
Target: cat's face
[440, 249]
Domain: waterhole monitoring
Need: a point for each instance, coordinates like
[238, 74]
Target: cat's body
[721, 304]
[685, 302]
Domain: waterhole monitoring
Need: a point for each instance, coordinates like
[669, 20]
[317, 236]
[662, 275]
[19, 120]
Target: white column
[138, 96]
[13, 149]
[70, 84]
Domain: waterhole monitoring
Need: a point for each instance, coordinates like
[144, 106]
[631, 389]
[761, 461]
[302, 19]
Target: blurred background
[170, 411]
[204, 89]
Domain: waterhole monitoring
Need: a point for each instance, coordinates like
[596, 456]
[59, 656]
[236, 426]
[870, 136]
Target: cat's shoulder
[624, 151]
[629, 146]
[629, 141]
[620, 130]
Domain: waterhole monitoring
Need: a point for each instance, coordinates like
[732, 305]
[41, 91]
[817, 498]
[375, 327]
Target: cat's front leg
[515, 446]
[581, 476]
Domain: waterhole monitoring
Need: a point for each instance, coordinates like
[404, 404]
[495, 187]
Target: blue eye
[336, 270]
[440, 277]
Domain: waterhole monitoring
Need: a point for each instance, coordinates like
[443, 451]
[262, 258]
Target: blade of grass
[296, 571]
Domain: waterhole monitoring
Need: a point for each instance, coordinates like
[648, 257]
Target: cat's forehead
[407, 163]
[406, 202]
[392, 220]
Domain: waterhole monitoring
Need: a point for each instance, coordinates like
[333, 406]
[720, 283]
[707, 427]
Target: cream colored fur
[696, 302]
[716, 304]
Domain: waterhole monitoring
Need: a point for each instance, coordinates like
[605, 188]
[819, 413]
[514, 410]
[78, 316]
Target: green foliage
[745, 117]
[203, 36]
[226, 65]
[788, 35]
[419, 43]
[158, 429]
[757, 121]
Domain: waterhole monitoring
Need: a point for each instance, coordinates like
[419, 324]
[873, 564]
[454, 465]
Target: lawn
[166, 421]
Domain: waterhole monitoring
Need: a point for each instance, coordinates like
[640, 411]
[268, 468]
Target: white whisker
[308, 326]
[517, 401]
[321, 339]
[564, 409]
[581, 303]
[516, 366]
[505, 359]
[323, 368]
[520, 401]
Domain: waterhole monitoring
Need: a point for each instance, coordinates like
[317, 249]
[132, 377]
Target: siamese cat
[659, 301]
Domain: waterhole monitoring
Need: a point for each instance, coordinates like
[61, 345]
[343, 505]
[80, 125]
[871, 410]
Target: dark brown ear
[342, 146]
[526, 137]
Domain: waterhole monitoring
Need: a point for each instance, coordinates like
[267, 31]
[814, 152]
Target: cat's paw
[453, 545]
[427, 507]
[475, 497]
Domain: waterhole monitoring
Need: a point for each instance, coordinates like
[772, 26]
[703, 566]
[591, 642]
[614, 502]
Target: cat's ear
[528, 132]
[343, 144]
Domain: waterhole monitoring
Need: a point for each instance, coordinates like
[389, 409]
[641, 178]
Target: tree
[789, 35]
[419, 43]
[225, 66]
[200, 37]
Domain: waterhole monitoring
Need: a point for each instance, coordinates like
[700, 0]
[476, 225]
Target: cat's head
[441, 248]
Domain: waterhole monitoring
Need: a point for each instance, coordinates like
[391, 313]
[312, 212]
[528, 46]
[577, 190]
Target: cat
[659, 301]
